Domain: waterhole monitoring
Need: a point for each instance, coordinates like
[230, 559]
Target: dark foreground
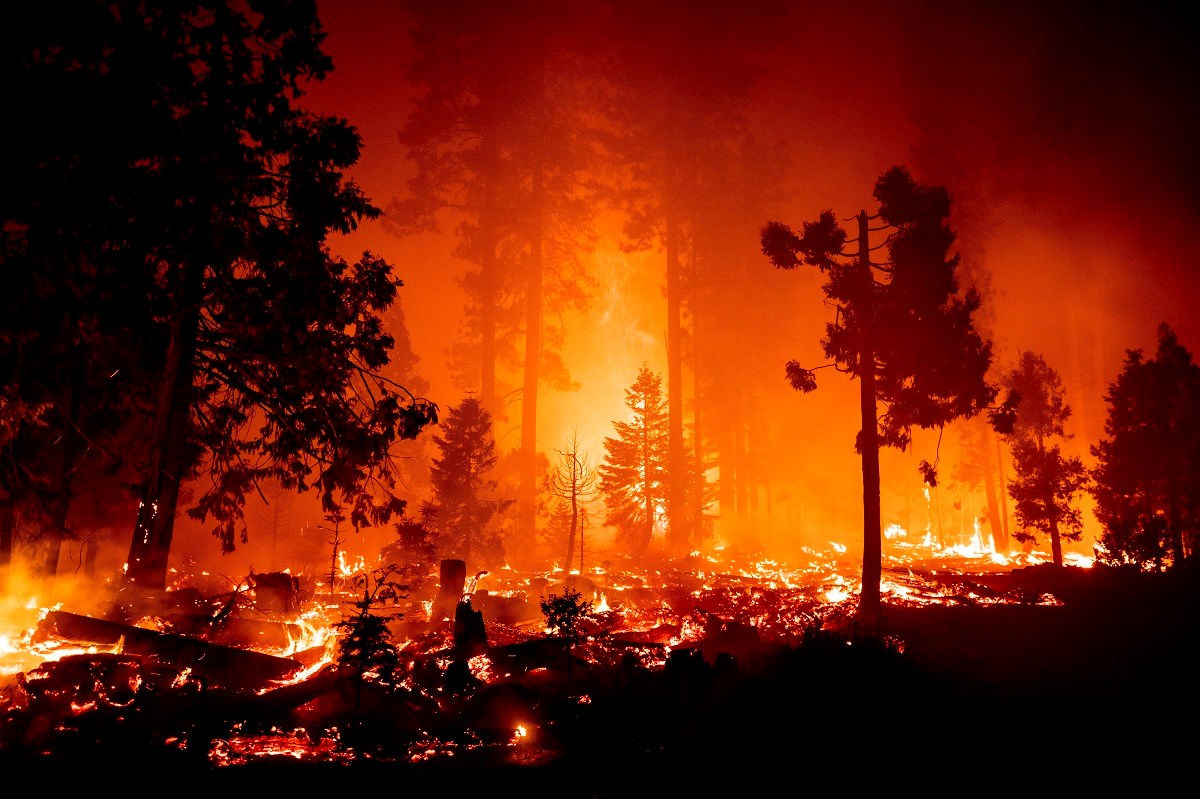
[1101, 691]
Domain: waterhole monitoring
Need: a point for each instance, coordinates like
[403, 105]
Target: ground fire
[252, 674]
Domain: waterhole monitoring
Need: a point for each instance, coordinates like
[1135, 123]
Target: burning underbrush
[459, 670]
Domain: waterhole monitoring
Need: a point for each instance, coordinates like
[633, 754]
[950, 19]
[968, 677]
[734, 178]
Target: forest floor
[1097, 691]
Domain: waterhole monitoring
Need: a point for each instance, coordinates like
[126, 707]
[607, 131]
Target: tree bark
[869, 600]
[151, 546]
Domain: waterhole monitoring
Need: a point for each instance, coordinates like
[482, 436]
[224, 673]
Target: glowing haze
[1063, 132]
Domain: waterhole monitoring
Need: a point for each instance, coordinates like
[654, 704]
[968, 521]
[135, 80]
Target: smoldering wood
[221, 665]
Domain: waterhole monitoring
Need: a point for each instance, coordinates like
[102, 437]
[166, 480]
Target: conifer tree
[1046, 482]
[466, 500]
[1147, 481]
[193, 220]
[633, 476]
[903, 329]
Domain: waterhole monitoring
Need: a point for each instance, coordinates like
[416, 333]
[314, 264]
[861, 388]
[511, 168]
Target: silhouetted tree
[574, 482]
[685, 72]
[500, 139]
[741, 182]
[633, 476]
[456, 135]
[465, 503]
[273, 339]
[266, 349]
[907, 335]
[79, 347]
[1147, 480]
[415, 549]
[564, 614]
[1045, 483]
[365, 650]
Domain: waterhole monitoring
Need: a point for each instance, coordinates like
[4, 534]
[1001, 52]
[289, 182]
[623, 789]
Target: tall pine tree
[903, 330]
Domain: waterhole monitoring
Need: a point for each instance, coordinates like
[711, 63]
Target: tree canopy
[1046, 483]
[198, 208]
[1147, 479]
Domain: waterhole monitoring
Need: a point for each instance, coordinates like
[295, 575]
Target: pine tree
[565, 615]
[903, 329]
[633, 476]
[1147, 480]
[465, 502]
[366, 652]
[1045, 483]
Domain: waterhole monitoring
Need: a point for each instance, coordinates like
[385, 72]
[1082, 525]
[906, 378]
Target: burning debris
[275, 670]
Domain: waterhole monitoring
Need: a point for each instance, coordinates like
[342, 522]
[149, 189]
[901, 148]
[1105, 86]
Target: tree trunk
[727, 478]
[574, 529]
[869, 600]
[487, 281]
[1056, 549]
[698, 528]
[677, 510]
[527, 490]
[1002, 487]
[741, 487]
[999, 538]
[151, 545]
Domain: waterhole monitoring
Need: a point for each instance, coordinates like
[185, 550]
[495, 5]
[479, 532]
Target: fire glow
[652, 612]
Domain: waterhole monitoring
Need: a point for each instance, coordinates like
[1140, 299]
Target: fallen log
[227, 667]
[237, 631]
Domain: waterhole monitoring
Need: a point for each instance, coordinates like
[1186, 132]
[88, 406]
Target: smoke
[1063, 130]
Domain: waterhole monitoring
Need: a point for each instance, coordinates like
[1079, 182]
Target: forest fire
[465, 387]
[716, 606]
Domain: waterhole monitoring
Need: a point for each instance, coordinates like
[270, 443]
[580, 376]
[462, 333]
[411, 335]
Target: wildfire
[662, 608]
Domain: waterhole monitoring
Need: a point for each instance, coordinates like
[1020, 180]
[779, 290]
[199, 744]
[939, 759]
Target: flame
[349, 569]
[779, 599]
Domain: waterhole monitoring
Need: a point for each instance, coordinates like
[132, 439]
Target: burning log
[220, 665]
[236, 631]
